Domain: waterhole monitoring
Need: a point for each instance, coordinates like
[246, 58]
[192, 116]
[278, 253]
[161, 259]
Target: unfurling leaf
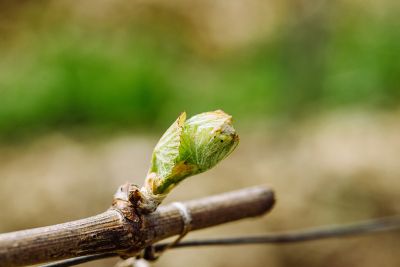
[189, 147]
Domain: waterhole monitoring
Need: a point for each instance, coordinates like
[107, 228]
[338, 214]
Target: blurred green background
[137, 64]
[87, 87]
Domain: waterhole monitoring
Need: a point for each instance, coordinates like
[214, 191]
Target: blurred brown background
[88, 87]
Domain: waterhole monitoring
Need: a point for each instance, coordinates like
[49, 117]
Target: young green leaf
[187, 148]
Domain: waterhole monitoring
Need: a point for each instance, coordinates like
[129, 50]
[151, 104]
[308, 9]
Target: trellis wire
[333, 231]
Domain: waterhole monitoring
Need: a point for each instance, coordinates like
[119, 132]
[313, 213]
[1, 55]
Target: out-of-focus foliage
[137, 65]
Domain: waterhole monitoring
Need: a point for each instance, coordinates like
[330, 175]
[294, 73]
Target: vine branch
[124, 232]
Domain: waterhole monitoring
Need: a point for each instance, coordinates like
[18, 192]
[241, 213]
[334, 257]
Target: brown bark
[115, 231]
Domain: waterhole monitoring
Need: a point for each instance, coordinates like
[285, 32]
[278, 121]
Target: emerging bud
[187, 148]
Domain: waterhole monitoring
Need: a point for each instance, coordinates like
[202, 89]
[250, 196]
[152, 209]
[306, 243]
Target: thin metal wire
[333, 231]
[150, 252]
[79, 260]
